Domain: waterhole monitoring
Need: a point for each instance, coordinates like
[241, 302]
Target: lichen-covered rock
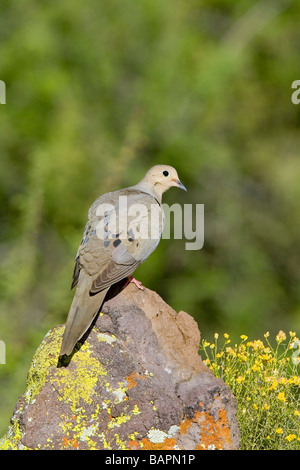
[137, 382]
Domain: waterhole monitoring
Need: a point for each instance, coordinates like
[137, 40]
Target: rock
[137, 382]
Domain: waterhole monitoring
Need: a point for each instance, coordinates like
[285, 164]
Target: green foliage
[96, 93]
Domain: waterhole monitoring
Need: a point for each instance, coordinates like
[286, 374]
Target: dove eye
[165, 173]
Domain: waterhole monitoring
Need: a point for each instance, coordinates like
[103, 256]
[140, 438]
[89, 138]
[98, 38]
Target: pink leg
[134, 281]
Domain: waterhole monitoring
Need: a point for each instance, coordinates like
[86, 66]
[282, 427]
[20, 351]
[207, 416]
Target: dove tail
[83, 310]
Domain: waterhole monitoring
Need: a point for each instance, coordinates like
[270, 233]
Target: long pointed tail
[83, 310]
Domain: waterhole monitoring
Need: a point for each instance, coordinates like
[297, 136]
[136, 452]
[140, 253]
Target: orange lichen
[185, 425]
[134, 445]
[131, 382]
[197, 415]
[213, 433]
[131, 379]
[70, 442]
[167, 444]
[224, 429]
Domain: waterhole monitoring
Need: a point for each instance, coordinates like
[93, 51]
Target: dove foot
[134, 281]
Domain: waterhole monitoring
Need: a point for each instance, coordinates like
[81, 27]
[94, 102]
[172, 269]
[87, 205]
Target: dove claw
[134, 281]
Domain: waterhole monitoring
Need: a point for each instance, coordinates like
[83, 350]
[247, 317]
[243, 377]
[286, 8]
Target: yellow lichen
[11, 440]
[135, 410]
[104, 441]
[118, 420]
[122, 444]
[132, 435]
[77, 386]
[45, 357]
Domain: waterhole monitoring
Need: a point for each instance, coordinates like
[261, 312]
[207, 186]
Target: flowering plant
[266, 382]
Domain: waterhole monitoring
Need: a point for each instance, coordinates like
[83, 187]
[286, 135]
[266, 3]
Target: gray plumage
[112, 246]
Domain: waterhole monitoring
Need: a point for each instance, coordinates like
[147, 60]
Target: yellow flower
[243, 337]
[266, 357]
[230, 351]
[295, 380]
[240, 379]
[292, 334]
[279, 431]
[255, 406]
[216, 335]
[242, 356]
[205, 344]
[226, 335]
[265, 406]
[281, 336]
[266, 334]
[281, 397]
[283, 381]
[257, 344]
[297, 413]
[255, 368]
[274, 385]
[290, 437]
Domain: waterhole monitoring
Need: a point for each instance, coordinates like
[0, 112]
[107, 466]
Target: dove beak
[179, 184]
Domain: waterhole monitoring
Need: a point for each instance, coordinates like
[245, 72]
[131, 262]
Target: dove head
[159, 179]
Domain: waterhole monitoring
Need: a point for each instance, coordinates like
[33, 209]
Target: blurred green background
[96, 93]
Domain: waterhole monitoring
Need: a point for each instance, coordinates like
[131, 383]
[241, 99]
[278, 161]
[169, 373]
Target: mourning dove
[124, 227]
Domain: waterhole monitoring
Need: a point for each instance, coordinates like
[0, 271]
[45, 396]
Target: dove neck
[148, 188]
